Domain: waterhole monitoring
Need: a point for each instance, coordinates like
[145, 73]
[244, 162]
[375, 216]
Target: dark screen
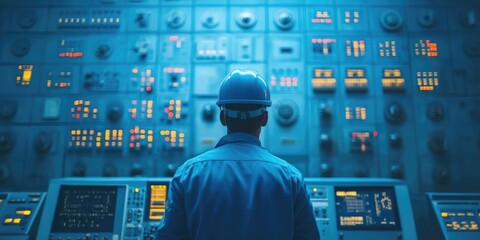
[369, 208]
[85, 209]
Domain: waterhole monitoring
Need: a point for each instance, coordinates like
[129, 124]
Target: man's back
[238, 191]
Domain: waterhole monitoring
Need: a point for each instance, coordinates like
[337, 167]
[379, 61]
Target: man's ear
[223, 118]
[264, 118]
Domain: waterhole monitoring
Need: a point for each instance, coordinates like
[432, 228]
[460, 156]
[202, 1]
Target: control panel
[104, 208]
[347, 208]
[127, 88]
[457, 215]
[20, 214]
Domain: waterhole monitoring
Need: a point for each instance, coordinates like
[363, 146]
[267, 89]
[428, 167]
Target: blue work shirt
[238, 191]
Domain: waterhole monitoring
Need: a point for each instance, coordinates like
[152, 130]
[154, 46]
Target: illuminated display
[83, 109]
[88, 139]
[173, 110]
[175, 77]
[387, 48]
[70, 49]
[355, 48]
[140, 139]
[322, 17]
[351, 17]
[141, 109]
[361, 142]
[172, 140]
[323, 46]
[85, 209]
[426, 48]
[284, 78]
[356, 80]
[323, 80]
[356, 113]
[24, 75]
[366, 208]
[211, 49]
[460, 219]
[393, 81]
[93, 19]
[59, 79]
[142, 79]
[158, 200]
[427, 81]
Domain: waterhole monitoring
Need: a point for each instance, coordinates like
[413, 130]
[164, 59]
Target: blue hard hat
[244, 87]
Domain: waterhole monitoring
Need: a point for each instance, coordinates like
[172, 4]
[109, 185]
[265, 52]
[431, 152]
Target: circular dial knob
[114, 111]
[7, 140]
[391, 21]
[394, 113]
[396, 171]
[208, 112]
[426, 18]
[284, 20]
[210, 20]
[175, 19]
[103, 51]
[437, 142]
[326, 142]
[27, 19]
[43, 142]
[395, 140]
[325, 111]
[8, 109]
[21, 47]
[471, 47]
[435, 111]
[245, 19]
[468, 18]
[286, 112]
[326, 170]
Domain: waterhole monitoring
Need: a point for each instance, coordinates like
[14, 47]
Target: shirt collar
[238, 137]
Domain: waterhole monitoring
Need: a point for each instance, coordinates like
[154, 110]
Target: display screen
[366, 208]
[85, 209]
[157, 195]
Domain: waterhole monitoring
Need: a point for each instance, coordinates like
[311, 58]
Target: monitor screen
[85, 209]
[366, 208]
[157, 200]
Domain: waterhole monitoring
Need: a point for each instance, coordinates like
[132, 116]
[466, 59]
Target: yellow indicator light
[8, 220]
[24, 212]
[315, 189]
[137, 190]
[17, 220]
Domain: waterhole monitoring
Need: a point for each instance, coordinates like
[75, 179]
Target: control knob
[442, 175]
[27, 19]
[109, 170]
[391, 21]
[8, 109]
[114, 110]
[287, 112]
[437, 142]
[326, 142]
[396, 171]
[141, 49]
[208, 112]
[43, 142]
[326, 170]
[395, 140]
[103, 51]
[20, 47]
[175, 19]
[136, 170]
[471, 47]
[7, 141]
[284, 20]
[394, 113]
[325, 111]
[427, 19]
[141, 20]
[435, 111]
[245, 19]
[210, 20]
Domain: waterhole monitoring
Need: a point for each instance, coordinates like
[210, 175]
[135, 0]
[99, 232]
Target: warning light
[426, 48]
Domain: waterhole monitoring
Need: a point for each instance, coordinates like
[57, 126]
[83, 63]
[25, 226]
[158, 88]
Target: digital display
[393, 81]
[460, 219]
[426, 48]
[323, 80]
[85, 209]
[366, 208]
[24, 75]
[158, 199]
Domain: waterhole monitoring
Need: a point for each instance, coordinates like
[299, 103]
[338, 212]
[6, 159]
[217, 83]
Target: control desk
[131, 208]
[457, 215]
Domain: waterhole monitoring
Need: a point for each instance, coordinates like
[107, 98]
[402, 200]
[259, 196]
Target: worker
[238, 190]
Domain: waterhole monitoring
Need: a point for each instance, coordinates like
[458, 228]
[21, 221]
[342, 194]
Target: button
[17, 220]
[8, 220]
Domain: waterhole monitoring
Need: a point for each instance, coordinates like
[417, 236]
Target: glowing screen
[369, 208]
